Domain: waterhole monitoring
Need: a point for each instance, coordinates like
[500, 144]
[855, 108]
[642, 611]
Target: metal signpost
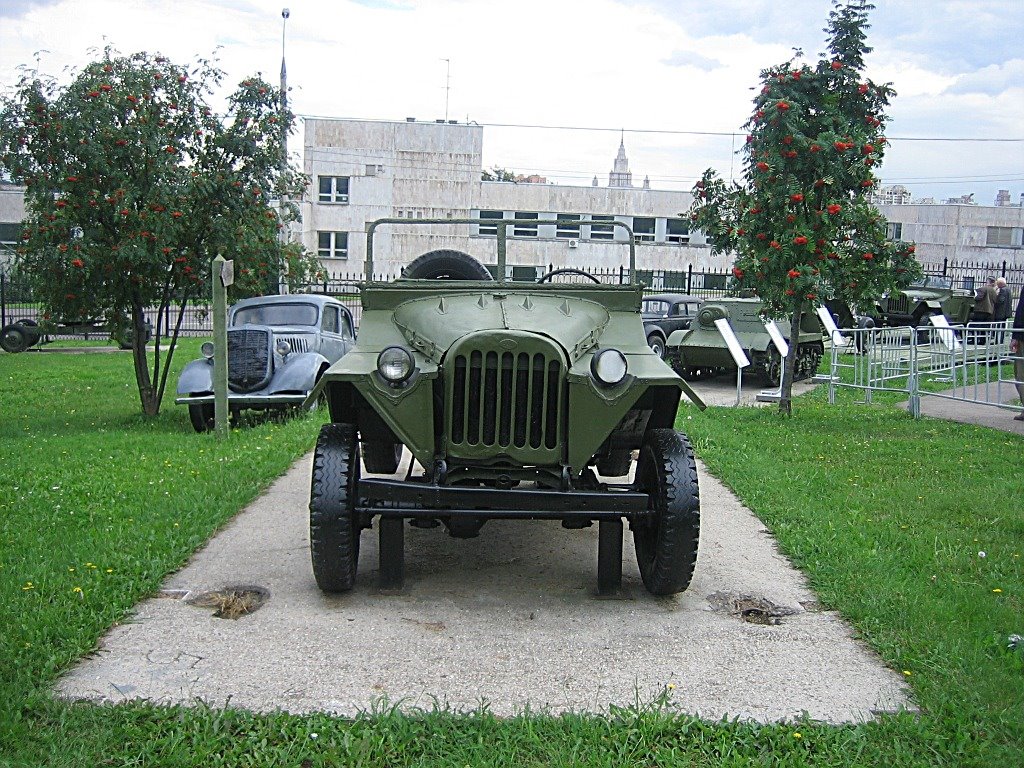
[736, 350]
[223, 273]
[774, 395]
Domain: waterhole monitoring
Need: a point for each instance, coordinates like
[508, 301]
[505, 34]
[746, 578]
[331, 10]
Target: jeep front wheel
[666, 537]
[380, 457]
[333, 524]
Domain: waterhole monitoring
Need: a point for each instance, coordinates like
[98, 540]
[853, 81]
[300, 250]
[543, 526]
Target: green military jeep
[516, 401]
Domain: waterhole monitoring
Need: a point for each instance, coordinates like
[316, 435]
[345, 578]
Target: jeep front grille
[507, 402]
[249, 359]
[898, 305]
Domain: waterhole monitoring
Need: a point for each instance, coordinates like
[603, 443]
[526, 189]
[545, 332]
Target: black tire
[666, 538]
[446, 265]
[771, 368]
[15, 338]
[657, 344]
[201, 416]
[616, 463]
[34, 334]
[333, 525]
[381, 458]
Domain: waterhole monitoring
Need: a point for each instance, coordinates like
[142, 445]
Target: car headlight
[207, 350]
[395, 364]
[282, 347]
[609, 367]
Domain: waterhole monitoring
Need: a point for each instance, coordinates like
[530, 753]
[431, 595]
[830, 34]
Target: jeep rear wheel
[666, 537]
[380, 457]
[333, 524]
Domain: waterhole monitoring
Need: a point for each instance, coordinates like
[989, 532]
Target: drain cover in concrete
[510, 618]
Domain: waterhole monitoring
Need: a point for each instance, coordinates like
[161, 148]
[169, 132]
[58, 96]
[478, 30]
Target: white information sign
[738, 355]
[831, 328]
[945, 332]
[227, 273]
[777, 339]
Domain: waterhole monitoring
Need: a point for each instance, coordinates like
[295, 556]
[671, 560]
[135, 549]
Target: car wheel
[615, 464]
[15, 338]
[381, 458]
[657, 345]
[333, 524]
[201, 416]
[666, 537]
[34, 334]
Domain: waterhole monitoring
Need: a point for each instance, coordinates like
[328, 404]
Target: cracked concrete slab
[510, 619]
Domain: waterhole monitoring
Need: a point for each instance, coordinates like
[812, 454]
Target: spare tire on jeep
[446, 265]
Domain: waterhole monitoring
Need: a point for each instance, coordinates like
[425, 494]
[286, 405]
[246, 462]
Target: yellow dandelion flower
[798, 735]
[907, 672]
[997, 590]
[110, 570]
[671, 686]
[29, 585]
[77, 589]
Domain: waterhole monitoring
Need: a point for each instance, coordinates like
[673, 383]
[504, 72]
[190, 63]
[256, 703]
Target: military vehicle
[515, 401]
[701, 351]
[932, 295]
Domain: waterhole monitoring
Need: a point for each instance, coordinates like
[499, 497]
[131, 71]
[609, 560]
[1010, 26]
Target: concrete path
[510, 619]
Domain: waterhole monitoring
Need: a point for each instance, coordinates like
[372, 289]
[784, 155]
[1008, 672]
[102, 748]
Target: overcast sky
[665, 71]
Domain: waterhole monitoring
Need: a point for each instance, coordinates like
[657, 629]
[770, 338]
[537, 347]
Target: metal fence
[969, 363]
[968, 275]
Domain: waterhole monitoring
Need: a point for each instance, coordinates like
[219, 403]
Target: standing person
[1017, 352]
[984, 302]
[1003, 302]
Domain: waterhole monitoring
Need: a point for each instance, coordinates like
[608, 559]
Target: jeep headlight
[207, 350]
[395, 364]
[282, 347]
[609, 367]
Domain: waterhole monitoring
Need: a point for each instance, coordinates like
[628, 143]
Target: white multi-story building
[12, 211]
[362, 171]
[976, 234]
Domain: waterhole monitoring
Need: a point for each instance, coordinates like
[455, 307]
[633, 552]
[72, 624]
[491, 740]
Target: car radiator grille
[898, 305]
[506, 402]
[249, 359]
[297, 343]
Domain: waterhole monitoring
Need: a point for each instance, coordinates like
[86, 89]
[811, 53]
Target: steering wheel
[566, 271]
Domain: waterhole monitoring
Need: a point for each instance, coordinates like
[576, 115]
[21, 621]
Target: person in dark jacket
[984, 302]
[1004, 301]
[1017, 352]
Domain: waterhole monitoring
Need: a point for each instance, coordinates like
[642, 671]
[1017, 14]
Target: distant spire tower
[620, 175]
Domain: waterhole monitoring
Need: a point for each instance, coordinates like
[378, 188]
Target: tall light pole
[447, 85]
[282, 120]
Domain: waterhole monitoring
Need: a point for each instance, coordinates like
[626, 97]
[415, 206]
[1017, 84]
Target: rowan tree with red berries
[133, 185]
[800, 223]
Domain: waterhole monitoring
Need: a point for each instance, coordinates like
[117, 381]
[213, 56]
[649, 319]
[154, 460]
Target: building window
[526, 229]
[490, 229]
[602, 231]
[568, 226]
[643, 230]
[332, 245]
[677, 231]
[1004, 237]
[894, 230]
[334, 189]
[10, 232]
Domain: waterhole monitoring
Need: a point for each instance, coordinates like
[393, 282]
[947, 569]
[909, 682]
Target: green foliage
[498, 174]
[800, 224]
[133, 184]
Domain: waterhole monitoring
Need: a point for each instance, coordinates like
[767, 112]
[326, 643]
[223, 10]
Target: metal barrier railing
[973, 360]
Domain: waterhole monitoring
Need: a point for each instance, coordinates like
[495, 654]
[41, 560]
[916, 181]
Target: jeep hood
[433, 324]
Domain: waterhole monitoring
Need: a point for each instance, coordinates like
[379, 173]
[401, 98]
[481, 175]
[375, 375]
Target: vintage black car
[278, 348]
[664, 313]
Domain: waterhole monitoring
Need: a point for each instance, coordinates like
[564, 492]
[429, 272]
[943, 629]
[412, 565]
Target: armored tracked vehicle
[701, 351]
[515, 401]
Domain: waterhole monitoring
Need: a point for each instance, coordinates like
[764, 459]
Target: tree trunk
[143, 378]
[789, 371]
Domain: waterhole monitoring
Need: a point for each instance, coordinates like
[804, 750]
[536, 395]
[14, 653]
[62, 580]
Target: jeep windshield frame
[502, 226]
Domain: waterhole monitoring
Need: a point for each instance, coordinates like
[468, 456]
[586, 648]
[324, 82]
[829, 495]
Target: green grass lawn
[886, 516]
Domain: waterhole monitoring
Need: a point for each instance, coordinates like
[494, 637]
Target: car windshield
[277, 314]
[932, 281]
[656, 308]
